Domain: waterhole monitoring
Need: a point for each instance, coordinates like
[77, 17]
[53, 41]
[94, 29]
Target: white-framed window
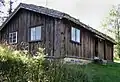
[13, 37]
[75, 34]
[35, 33]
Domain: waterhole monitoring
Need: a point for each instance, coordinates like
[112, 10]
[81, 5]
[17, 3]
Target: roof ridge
[56, 14]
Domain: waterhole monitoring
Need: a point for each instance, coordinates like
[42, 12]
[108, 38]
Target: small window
[35, 33]
[13, 37]
[75, 34]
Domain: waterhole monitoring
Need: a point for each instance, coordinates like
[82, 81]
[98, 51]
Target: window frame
[35, 33]
[16, 40]
[75, 41]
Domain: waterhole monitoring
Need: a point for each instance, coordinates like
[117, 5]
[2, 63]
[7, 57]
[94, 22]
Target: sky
[90, 12]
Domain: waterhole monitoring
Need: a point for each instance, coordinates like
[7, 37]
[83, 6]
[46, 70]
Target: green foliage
[59, 72]
[111, 26]
[110, 23]
[18, 66]
[103, 73]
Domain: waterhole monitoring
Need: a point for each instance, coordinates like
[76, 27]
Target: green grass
[103, 73]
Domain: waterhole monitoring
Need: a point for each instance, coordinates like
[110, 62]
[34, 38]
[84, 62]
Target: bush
[18, 66]
[60, 72]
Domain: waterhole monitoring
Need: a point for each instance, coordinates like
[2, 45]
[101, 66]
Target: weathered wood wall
[23, 21]
[84, 49]
[105, 50]
[109, 51]
[101, 48]
[56, 38]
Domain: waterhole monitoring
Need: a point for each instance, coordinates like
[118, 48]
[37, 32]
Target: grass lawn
[103, 73]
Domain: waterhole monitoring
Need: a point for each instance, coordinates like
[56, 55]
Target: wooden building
[60, 34]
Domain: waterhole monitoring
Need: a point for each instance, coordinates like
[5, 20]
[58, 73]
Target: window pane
[14, 40]
[38, 33]
[13, 37]
[73, 34]
[14, 34]
[32, 33]
[77, 35]
[10, 35]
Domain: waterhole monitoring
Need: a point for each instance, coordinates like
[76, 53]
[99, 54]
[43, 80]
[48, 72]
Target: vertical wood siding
[101, 48]
[23, 21]
[84, 49]
[109, 51]
[56, 36]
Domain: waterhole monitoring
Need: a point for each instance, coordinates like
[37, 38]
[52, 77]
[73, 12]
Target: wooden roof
[56, 14]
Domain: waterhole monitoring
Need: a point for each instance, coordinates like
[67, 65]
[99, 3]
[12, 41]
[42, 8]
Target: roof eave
[62, 15]
[11, 15]
[89, 28]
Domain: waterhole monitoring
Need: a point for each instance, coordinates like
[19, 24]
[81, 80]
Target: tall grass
[19, 66]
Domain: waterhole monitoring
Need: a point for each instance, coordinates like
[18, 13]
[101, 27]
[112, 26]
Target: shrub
[59, 72]
[18, 66]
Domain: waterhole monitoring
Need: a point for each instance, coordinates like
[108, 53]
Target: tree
[2, 2]
[6, 3]
[111, 24]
